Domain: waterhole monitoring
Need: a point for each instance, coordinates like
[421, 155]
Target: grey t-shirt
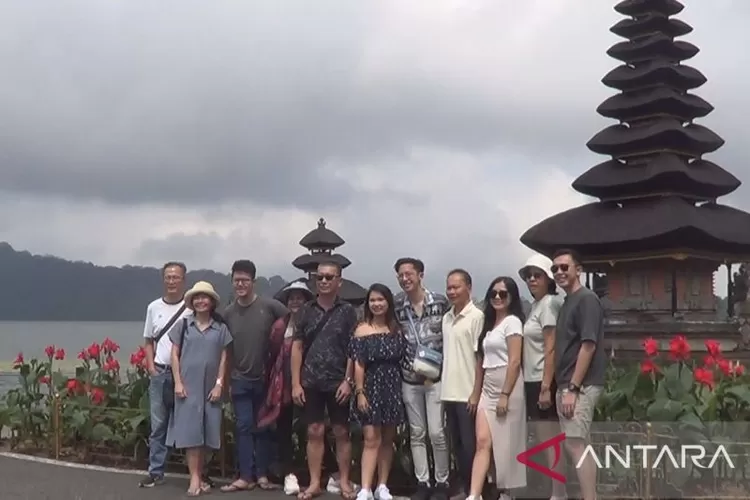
[581, 318]
[251, 328]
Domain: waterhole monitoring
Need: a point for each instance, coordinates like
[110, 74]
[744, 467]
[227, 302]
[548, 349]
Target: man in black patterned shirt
[322, 375]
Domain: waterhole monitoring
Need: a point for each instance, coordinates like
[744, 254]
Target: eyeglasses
[241, 281]
[562, 268]
[537, 275]
[499, 294]
[326, 277]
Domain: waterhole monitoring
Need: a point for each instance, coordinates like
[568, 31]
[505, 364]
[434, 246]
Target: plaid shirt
[429, 327]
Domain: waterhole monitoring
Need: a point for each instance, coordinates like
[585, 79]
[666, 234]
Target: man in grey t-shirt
[580, 362]
[250, 319]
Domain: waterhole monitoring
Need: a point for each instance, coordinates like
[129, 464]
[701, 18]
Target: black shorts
[533, 412]
[316, 404]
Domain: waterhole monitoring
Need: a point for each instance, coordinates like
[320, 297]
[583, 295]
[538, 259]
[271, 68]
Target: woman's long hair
[390, 314]
[515, 307]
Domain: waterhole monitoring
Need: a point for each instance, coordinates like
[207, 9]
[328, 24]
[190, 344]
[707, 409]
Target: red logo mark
[525, 457]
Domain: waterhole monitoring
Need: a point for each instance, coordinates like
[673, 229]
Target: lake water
[31, 337]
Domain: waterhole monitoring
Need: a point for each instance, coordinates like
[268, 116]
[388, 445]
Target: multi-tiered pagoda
[657, 232]
[321, 242]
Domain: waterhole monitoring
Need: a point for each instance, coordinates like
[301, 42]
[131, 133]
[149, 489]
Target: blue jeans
[254, 449]
[161, 399]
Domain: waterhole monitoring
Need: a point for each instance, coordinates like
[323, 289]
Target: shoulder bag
[427, 362]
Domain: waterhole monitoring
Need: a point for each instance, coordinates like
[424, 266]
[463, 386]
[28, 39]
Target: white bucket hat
[201, 287]
[283, 294]
[539, 261]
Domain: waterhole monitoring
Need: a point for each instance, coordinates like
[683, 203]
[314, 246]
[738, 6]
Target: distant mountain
[45, 288]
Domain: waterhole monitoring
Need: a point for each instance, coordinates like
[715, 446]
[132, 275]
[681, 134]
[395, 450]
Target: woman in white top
[539, 358]
[498, 390]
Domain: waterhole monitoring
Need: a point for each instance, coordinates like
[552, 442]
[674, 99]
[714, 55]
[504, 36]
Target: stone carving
[740, 284]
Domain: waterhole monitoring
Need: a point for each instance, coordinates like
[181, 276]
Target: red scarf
[278, 390]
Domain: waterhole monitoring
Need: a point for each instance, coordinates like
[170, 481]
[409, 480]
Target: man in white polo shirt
[462, 325]
[161, 314]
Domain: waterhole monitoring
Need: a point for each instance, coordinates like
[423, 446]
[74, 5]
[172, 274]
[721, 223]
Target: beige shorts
[579, 425]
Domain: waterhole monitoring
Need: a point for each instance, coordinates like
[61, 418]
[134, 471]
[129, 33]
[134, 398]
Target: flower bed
[101, 412]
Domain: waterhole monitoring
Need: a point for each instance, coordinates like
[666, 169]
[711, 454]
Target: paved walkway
[28, 480]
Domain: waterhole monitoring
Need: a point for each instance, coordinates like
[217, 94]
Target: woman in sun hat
[278, 405]
[199, 358]
[538, 356]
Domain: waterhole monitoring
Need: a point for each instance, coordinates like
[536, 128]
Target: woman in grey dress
[199, 354]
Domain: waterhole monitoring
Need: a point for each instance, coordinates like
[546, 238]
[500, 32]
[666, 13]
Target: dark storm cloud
[186, 102]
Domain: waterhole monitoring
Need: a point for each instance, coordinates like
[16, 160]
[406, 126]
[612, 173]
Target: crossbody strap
[170, 323]
[318, 328]
[411, 324]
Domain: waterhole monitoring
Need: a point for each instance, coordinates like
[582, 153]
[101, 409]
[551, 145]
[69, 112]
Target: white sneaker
[291, 485]
[364, 495]
[383, 493]
[504, 496]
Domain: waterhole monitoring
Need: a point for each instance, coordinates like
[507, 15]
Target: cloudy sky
[135, 132]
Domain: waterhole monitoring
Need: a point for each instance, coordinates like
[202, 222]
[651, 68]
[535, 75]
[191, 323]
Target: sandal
[349, 494]
[195, 493]
[237, 486]
[309, 495]
[265, 484]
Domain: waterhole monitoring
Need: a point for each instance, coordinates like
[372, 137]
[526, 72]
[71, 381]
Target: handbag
[427, 361]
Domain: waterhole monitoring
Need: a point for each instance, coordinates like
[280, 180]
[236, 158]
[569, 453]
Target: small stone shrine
[321, 243]
[657, 234]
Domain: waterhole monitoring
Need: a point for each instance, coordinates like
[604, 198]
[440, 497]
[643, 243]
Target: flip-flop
[265, 484]
[348, 494]
[194, 493]
[309, 495]
[234, 488]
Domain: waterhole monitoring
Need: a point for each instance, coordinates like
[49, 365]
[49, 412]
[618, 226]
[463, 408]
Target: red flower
[138, 357]
[738, 369]
[651, 346]
[704, 377]
[93, 350]
[44, 380]
[109, 347]
[709, 361]
[713, 348]
[97, 396]
[49, 351]
[60, 354]
[18, 361]
[73, 386]
[83, 355]
[679, 349]
[725, 366]
[648, 366]
[111, 365]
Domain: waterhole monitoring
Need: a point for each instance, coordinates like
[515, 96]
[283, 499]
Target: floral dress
[381, 354]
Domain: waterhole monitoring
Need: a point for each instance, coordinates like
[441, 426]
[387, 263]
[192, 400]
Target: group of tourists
[479, 376]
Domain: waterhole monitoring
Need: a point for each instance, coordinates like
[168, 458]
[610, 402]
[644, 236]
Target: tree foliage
[46, 288]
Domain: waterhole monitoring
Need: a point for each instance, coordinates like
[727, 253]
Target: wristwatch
[574, 388]
[350, 381]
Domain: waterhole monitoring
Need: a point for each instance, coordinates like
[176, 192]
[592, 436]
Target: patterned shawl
[278, 383]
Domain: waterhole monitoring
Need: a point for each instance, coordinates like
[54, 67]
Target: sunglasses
[499, 294]
[326, 277]
[562, 268]
[537, 275]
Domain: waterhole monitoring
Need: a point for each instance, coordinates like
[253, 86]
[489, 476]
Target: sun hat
[283, 294]
[539, 261]
[203, 287]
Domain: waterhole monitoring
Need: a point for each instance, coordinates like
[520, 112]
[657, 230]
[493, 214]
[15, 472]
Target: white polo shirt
[460, 336]
[158, 313]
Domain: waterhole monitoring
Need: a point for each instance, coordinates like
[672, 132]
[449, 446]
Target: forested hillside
[43, 288]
